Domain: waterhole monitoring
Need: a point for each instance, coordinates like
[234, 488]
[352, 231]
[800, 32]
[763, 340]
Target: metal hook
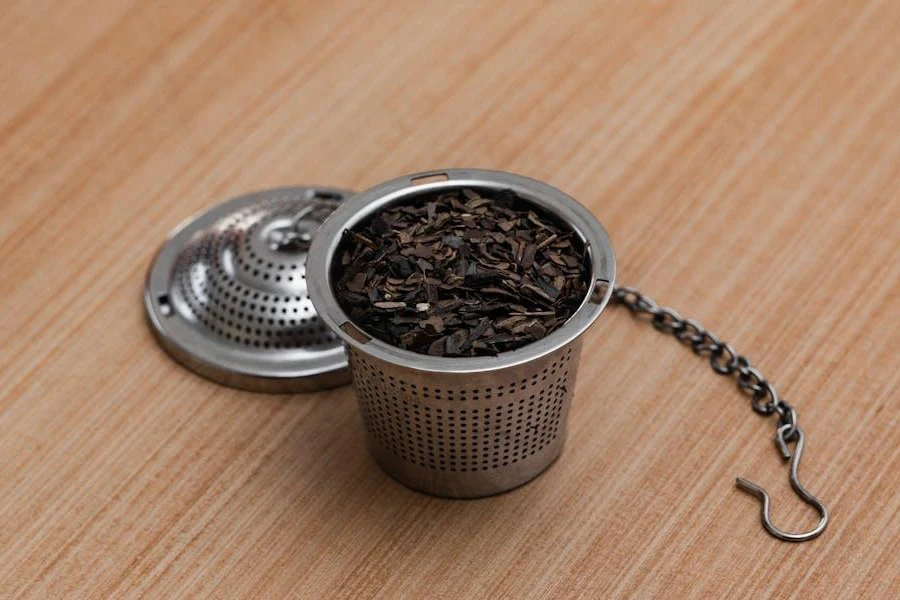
[751, 488]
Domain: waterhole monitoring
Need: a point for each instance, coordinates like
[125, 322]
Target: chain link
[722, 356]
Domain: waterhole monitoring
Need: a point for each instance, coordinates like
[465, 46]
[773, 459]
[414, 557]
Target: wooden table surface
[744, 156]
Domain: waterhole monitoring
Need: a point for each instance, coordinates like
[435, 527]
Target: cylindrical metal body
[464, 427]
[466, 435]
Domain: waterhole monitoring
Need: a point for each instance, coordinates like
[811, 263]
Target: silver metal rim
[295, 370]
[356, 209]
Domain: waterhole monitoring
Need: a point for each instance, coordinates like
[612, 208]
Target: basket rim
[359, 207]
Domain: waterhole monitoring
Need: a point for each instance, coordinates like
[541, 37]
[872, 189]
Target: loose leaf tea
[461, 273]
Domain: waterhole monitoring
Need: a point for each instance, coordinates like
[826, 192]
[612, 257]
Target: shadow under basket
[463, 427]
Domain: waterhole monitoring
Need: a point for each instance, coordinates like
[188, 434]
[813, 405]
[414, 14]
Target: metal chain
[723, 358]
[764, 399]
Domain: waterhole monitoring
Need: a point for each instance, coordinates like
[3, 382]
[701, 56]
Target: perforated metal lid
[227, 294]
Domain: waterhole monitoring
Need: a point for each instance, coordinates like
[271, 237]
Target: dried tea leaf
[357, 283]
[547, 288]
[534, 219]
[434, 324]
[509, 322]
[389, 305]
[547, 242]
[533, 289]
[528, 256]
[438, 347]
[452, 240]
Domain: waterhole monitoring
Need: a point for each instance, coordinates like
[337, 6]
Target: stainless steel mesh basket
[463, 427]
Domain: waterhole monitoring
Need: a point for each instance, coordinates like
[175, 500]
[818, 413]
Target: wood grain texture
[743, 154]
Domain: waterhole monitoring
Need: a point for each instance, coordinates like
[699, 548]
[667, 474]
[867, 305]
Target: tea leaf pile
[461, 273]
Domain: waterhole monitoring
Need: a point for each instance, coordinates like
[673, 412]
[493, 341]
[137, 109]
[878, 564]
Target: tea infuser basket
[243, 294]
[227, 294]
[463, 427]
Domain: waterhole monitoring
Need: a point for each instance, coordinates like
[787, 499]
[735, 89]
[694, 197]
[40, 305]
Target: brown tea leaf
[433, 324]
[389, 305]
